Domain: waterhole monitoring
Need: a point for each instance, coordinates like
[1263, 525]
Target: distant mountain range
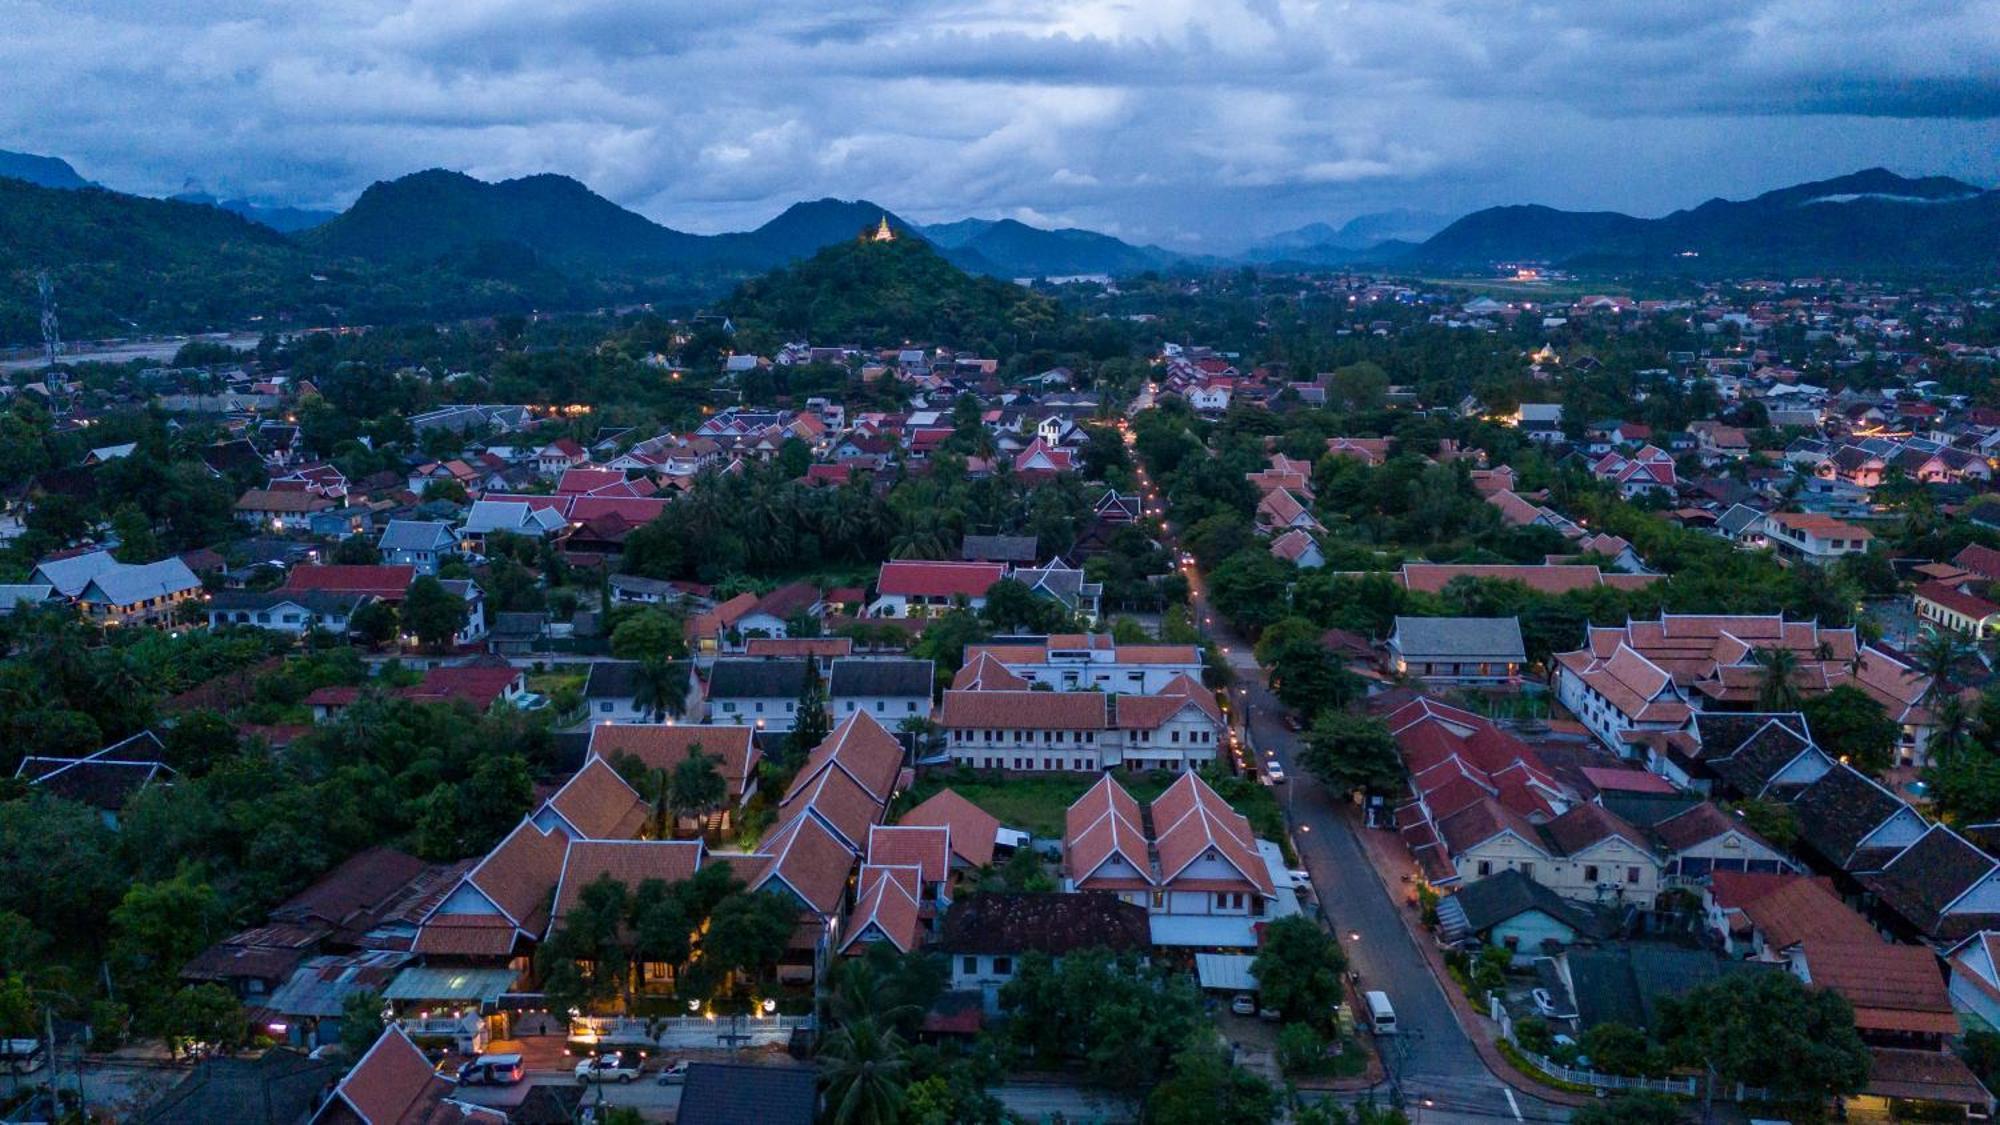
[1360, 237]
[1873, 220]
[547, 241]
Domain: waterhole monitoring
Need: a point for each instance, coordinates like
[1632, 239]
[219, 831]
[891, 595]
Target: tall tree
[1850, 725]
[1350, 752]
[1776, 687]
[866, 1073]
[696, 787]
[1298, 969]
[811, 721]
[660, 688]
[434, 614]
[1768, 1030]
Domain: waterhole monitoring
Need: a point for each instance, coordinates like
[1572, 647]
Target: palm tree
[660, 688]
[696, 786]
[1938, 656]
[865, 1072]
[1776, 691]
[1951, 729]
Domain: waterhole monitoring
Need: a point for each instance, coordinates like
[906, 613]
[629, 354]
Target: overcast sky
[1196, 123]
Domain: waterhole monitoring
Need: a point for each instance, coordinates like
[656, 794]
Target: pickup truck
[611, 1066]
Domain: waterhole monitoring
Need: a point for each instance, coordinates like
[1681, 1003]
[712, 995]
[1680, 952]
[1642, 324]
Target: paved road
[1076, 1106]
[653, 1101]
[1442, 1076]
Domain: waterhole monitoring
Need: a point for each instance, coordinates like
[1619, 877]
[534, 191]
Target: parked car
[1244, 1004]
[1301, 881]
[492, 1070]
[611, 1066]
[1274, 774]
[531, 701]
[675, 1075]
[1544, 1003]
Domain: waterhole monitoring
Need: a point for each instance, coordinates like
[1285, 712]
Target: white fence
[1685, 1087]
[687, 1031]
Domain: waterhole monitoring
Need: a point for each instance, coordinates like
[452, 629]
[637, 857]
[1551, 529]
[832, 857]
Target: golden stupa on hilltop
[882, 232]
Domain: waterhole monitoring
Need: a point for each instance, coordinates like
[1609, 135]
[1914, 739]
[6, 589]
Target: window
[1528, 869]
[1485, 868]
[759, 705]
[605, 707]
[1590, 873]
[729, 708]
[1003, 966]
[1631, 875]
[879, 705]
[969, 965]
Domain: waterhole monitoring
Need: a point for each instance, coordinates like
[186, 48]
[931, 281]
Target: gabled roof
[1054, 924]
[1926, 880]
[384, 581]
[1838, 811]
[519, 875]
[663, 747]
[757, 679]
[808, 858]
[885, 904]
[1586, 825]
[857, 677]
[597, 804]
[1190, 821]
[938, 579]
[973, 830]
[985, 672]
[630, 862]
[394, 1084]
[861, 748]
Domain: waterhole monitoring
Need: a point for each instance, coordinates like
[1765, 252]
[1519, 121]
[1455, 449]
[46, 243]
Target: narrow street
[1442, 1075]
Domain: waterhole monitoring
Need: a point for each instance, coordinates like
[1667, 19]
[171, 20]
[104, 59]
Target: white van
[1381, 1016]
[22, 1056]
[492, 1070]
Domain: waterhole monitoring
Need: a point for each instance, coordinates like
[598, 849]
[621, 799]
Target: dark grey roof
[1922, 882]
[861, 677]
[612, 679]
[318, 601]
[1480, 906]
[1044, 923]
[1839, 810]
[756, 679]
[1624, 984]
[1460, 637]
[280, 1088]
[1738, 517]
[998, 548]
[520, 624]
[739, 1093]
[416, 535]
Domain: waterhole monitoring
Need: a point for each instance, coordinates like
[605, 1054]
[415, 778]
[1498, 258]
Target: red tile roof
[938, 579]
[663, 747]
[924, 847]
[384, 581]
[599, 804]
[973, 829]
[630, 862]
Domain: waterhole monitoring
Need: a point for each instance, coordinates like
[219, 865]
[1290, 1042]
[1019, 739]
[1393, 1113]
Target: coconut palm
[1951, 728]
[660, 688]
[1776, 691]
[1938, 656]
[865, 1071]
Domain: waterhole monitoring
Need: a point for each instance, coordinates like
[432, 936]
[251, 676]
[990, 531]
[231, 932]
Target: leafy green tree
[1298, 970]
[1304, 675]
[374, 623]
[1301, 1050]
[652, 633]
[1854, 728]
[356, 550]
[202, 1014]
[1616, 1048]
[361, 1022]
[1768, 1030]
[198, 740]
[1205, 1088]
[696, 787]
[1350, 752]
[1250, 588]
[1640, 1108]
[136, 541]
[434, 614]
[1121, 1021]
[747, 933]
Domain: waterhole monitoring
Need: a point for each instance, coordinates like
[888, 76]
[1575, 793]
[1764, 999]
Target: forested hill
[1873, 220]
[867, 292]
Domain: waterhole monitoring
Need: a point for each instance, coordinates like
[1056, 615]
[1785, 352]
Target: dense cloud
[1193, 122]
